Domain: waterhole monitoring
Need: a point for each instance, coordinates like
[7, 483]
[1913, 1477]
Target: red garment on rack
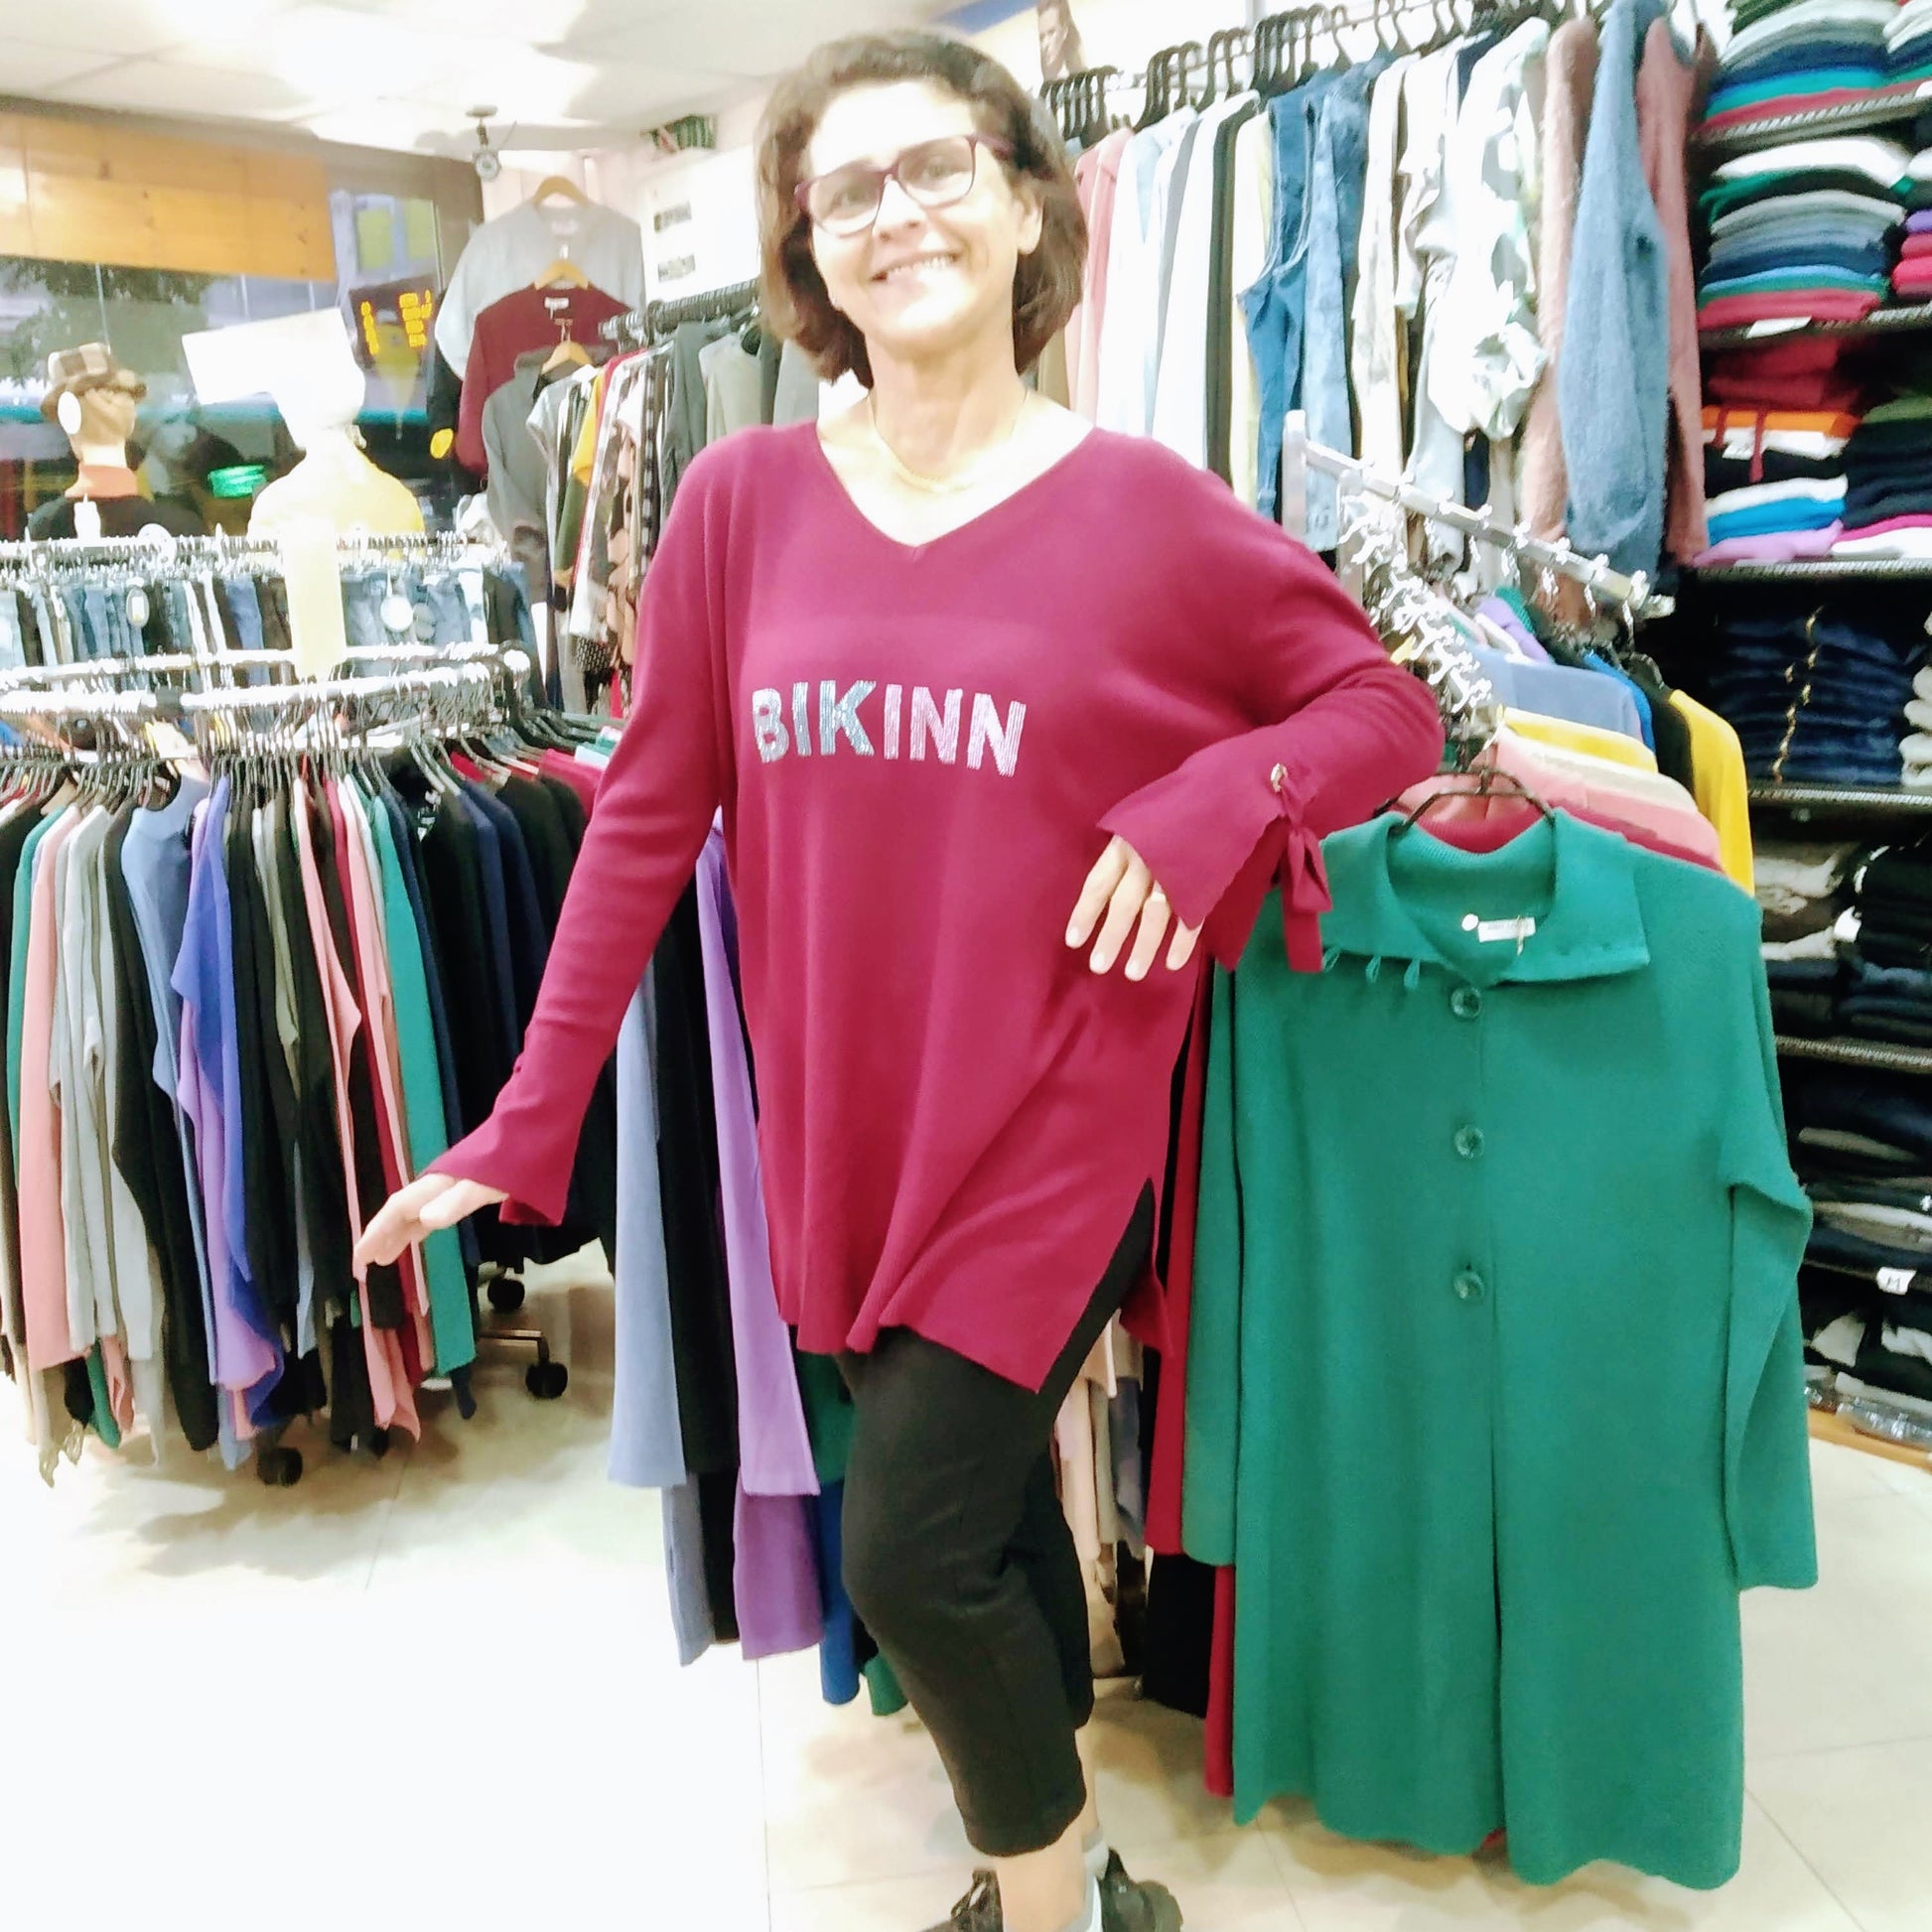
[1170, 1410]
[514, 325]
[1218, 1771]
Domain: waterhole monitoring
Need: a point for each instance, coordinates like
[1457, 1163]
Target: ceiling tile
[742, 36]
[26, 71]
[163, 88]
[517, 81]
[544, 23]
[404, 125]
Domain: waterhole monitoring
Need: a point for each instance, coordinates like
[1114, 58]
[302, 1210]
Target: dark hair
[1046, 284]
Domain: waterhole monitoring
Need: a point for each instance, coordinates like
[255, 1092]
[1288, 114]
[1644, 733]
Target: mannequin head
[323, 396]
[998, 262]
[102, 422]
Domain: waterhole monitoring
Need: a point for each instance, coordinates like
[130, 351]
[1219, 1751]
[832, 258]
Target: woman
[1003, 714]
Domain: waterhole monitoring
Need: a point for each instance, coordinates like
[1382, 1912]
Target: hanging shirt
[1451, 1368]
[956, 1113]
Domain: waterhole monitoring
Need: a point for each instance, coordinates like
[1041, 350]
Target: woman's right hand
[411, 1215]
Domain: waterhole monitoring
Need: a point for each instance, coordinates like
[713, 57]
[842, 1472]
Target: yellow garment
[338, 484]
[583, 458]
[1718, 779]
[1590, 740]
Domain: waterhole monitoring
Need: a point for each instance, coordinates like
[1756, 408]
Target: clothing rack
[1632, 594]
[658, 319]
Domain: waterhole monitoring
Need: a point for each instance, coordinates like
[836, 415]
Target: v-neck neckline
[993, 511]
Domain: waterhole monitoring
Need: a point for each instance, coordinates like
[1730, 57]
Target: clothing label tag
[1776, 325]
[1897, 1280]
[1490, 930]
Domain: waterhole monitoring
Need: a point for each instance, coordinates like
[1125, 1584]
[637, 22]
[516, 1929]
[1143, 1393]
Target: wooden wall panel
[90, 192]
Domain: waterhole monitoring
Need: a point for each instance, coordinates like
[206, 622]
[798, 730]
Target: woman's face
[919, 282]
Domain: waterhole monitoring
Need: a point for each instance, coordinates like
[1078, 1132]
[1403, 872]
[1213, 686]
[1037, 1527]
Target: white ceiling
[401, 73]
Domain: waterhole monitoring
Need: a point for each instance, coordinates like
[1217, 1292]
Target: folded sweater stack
[1775, 483]
[1887, 504]
[1908, 44]
[1801, 53]
[1804, 230]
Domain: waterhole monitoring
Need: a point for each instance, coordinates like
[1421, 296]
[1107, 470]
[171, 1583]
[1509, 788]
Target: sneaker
[1128, 1907]
[979, 1910]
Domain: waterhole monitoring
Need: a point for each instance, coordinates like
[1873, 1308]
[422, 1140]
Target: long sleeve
[1348, 731]
[670, 771]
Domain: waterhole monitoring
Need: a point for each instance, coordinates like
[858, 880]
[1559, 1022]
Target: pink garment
[1084, 325]
[1912, 277]
[1774, 547]
[1915, 245]
[1758, 111]
[43, 1226]
[338, 1002]
[1668, 94]
[1569, 68]
[365, 941]
[1679, 832]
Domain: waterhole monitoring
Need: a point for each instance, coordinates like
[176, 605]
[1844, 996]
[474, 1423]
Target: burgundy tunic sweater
[919, 751]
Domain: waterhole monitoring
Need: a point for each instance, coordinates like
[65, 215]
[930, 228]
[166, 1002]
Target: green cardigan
[1495, 1382]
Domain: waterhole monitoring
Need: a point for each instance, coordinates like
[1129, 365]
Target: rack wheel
[546, 1380]
[279, 1468]
[505, 1294]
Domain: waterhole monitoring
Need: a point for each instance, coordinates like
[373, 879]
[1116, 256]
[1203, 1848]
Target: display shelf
[1804, 799]
[1880, 1055]
[1817, 570]
[1900, 319]
[1878, 109]
[1828, 1426]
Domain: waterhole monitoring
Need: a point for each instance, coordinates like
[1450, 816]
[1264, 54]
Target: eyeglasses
[936, 173]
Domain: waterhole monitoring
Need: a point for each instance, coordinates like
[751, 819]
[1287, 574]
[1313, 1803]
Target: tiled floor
[440, 1691]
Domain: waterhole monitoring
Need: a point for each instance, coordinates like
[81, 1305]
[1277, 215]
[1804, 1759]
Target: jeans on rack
[13, 651]
[243, 611]
[363, 592]
[449, 609]
[48, 624]
[1276, 306]
[1336, 184]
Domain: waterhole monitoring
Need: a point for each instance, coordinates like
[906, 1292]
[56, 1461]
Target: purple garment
[1919, 221]
[246, 1353]
[774, 1575]
[1772, 547]
[775, 1451]
[1504, 619]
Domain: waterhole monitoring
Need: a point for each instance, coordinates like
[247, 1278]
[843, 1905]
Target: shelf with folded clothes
[1839, 798]
[1814, 570]
[1881, 107]
[1904, 317]
[1879, 1055]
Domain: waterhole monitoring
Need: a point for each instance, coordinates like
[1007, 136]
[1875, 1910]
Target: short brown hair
[1047, 285]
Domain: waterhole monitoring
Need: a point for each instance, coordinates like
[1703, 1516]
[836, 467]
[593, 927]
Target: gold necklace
[939, 486]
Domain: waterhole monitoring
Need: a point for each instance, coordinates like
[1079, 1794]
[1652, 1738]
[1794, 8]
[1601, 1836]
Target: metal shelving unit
[1900, 319]
[1879, 109]
[1818, 570]
[1806, 800]
[1877, 1056]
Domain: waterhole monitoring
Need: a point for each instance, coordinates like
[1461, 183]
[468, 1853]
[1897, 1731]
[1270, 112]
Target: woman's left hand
[1121, 887]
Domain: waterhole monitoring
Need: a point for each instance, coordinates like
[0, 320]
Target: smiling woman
[1005, 715]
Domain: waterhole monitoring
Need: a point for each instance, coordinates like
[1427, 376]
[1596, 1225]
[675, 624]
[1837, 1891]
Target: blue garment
[524, 928]
[1557, 691]
[1613, 375]
[1275, 307]
[646, 1439]
[497, 957]
[1639, 698]
[448, 612]
[1798, 84]
[1336, 184]
[363, 592]
[1813, 246]
[1760, 519]
[13, 651]
[244, 606]
[684, 1572]
[838, 1653]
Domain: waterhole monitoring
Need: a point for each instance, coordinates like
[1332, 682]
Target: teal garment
[450, 1318]
[17, 964]
[1504, 1247]
[103, 1421]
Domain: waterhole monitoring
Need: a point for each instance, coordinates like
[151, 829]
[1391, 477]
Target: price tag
[1897, 1280]
[1774, 326]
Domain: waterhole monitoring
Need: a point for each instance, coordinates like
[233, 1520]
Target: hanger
[562, 273]
[1491, 782]
[560, 187]
[567, 353]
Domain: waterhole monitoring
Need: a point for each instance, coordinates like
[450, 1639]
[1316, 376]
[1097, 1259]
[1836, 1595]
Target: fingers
[1097, 894]
[1185, 939]
[434, 1201]
[1125, 906]
[1156, 915]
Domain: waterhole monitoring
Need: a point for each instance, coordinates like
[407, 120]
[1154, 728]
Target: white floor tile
[1341, 1886]
[1850, 1661]
[1225, 1882]
[1861, 1819]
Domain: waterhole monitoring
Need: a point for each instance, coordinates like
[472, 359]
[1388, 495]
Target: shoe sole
[1167, 1913]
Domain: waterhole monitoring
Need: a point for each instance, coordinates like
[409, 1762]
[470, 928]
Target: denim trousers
[363, 592]
[1276, 306]
[13, 651]
[244, 611]
[1335, 188]
[449, 608]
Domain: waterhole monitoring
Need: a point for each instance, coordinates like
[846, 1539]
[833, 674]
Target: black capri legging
[961, 1562]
